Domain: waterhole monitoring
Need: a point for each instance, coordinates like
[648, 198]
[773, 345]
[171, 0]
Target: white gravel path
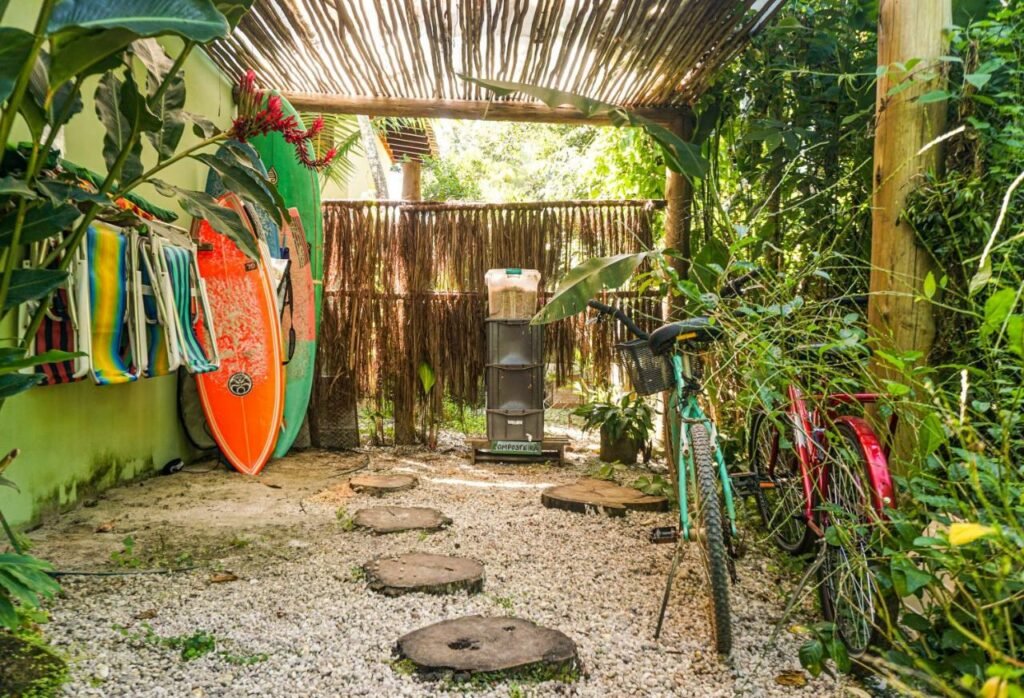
[300, 601]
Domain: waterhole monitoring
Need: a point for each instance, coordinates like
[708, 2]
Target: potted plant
[625, 426]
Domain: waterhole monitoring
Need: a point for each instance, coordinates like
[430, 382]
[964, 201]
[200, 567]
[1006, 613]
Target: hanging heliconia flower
[258, 118]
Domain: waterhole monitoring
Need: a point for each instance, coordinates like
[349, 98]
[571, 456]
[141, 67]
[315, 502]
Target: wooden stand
[552, 448]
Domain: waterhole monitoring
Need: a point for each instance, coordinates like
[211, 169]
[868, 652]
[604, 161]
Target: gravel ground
[300, 613]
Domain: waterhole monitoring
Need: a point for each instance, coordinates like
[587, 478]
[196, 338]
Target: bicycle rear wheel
[850, 597]
[712, 537]
[780, 492]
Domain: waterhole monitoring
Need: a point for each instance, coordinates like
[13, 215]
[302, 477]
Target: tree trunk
[405, 401]
[906, 29]
[369, 140]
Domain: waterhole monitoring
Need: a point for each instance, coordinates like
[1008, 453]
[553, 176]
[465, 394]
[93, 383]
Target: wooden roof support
[459, 109]
[906, 29]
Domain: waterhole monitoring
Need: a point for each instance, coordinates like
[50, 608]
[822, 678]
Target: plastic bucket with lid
[512, 293]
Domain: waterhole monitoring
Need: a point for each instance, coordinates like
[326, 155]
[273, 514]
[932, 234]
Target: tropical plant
[628, 418]
[23, 578]
[45, 198]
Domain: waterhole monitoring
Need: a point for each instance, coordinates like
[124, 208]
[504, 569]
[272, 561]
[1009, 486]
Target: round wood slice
[430, 574]
[378, 485]
[590, 495]
[394, 519]
[478, 643]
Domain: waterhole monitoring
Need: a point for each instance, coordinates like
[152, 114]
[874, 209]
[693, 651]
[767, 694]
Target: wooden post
[678, 224]
[907, 29]
[405, 407]
[679, 201]
[412, 173]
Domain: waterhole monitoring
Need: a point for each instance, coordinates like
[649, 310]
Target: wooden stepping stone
[476, 644]
[591, 495]
[430, 574]
[395, 519]
[379, 485]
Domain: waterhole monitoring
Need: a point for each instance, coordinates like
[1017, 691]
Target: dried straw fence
[404, 289]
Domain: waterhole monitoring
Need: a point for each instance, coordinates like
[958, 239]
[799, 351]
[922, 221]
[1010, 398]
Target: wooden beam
[459, 109]
[907, 29]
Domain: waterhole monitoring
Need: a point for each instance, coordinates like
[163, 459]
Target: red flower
[255, 119]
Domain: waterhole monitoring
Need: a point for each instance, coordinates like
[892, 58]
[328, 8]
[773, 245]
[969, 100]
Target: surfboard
[243, 400]
[300, 188]
[298, 327]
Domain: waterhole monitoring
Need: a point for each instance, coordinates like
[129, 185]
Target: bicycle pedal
[664, 534]
[747, 484]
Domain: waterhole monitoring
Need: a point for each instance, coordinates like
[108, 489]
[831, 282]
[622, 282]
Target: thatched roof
[636, 53]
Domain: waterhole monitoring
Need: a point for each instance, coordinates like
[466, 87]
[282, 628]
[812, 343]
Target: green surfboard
[300, 188]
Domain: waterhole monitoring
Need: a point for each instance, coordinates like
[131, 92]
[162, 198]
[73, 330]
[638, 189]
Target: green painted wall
[78, 439]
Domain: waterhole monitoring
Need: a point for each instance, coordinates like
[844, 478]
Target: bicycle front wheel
[712, 537]
[850, 597]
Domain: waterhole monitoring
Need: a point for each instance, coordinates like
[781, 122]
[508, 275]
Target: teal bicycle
[668, 360]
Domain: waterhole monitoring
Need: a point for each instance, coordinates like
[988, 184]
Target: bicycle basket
[648, 373]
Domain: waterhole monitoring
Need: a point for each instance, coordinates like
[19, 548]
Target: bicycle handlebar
[605, 309]
[735, 287]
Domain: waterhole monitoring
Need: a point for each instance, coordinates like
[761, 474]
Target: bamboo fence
[404, 288]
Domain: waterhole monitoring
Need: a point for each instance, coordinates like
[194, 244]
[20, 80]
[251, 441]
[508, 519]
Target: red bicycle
[818, 463]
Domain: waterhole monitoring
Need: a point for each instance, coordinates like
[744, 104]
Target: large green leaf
[551, 97]
[584, 282]
[13, 383]
[123, 111]
[14, 359]
[680, 156]
[32, 284]
[233, 10]
[15, 47]
[40, 222]
[12, 186]
[224, 220]
[198, 20]
[87, 54]
[118, 134]
[43, 109]
[247, 183]
[997, 308]
[168, 107]
[59, 191]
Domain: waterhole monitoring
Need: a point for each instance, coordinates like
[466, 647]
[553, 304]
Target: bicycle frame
[687, 408]
[812, 447]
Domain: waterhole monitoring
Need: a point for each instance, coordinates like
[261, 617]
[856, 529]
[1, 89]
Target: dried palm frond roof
[642, 54]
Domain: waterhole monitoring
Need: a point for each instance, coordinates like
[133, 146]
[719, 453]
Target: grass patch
[357, 573]
[191, 646]
[29, 667]
[126, 557]
[516, 679]
[505, 602]
[346, 522]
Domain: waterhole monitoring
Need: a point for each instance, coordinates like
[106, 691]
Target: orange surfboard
[244, 399]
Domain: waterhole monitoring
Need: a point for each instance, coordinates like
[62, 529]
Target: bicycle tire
[856, 615]
[782, 511]
[712, 540]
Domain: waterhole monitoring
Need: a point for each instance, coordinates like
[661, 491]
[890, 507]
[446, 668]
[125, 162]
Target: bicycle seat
[830, 353]
[696, 329]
